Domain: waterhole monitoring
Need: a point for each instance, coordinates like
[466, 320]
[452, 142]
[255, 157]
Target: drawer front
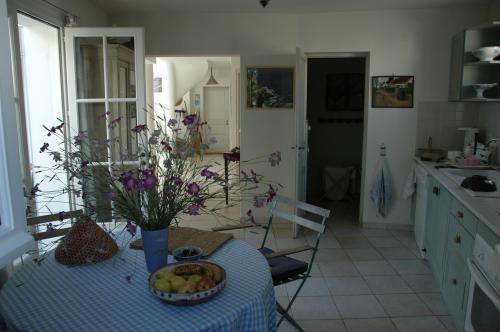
[455, 285]
[459, 240]
[467, 219]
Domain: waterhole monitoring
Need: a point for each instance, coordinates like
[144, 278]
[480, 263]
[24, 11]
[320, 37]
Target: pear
[163, 285]
[177, 282]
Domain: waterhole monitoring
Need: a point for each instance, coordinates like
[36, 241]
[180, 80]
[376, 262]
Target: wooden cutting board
[208, 241]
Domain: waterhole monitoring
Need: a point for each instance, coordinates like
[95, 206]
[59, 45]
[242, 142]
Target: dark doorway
[335, 112]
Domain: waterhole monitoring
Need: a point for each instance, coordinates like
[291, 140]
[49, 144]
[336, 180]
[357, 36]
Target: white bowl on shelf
[480, 88]
[486, 53]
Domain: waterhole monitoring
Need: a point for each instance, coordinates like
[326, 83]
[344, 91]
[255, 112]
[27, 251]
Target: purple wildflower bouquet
[164, 178]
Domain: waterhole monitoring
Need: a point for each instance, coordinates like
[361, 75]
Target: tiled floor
[363, 279]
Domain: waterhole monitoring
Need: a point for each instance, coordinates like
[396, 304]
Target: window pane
[124, 142]
[89, 67]
[92, 121]
[121, 67]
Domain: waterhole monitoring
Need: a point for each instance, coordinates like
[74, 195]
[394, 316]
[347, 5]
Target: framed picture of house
[392, 91]
[270, 88]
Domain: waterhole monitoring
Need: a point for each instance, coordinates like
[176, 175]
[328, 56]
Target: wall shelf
[465, 69]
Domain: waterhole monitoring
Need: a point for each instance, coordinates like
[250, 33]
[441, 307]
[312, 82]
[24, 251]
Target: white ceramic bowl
[480, 88]
[486, 53]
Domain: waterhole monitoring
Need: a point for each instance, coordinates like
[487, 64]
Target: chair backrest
[276, 210]
[51, 231]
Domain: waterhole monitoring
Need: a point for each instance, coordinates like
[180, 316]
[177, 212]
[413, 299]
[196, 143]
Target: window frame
[14, 240]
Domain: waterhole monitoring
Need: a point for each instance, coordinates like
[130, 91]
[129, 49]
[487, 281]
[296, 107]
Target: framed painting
[392, 91]
[270, 88]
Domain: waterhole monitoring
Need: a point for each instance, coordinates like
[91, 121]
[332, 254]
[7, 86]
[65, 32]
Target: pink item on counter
[468, 161]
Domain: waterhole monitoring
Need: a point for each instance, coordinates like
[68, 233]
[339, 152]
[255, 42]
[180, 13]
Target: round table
[54, 297]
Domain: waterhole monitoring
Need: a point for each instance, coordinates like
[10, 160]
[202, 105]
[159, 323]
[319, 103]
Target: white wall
[404, 42]
[89, 13]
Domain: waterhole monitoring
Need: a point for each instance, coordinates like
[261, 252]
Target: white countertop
[487, 210]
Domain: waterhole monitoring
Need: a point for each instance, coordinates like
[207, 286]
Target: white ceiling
[274, 6]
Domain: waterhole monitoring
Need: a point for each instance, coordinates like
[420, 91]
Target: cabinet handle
[457, 239]
[460, 215]
[454, 281]
[435, 191]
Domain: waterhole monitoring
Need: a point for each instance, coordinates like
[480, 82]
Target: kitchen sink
[457, 175]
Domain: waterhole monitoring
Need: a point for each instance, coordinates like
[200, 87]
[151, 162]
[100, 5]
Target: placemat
[208, 241]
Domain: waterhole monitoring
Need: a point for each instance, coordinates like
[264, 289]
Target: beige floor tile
[287, 243]
[368, 254]
[422, 283]
[324, 243]
[448, 323]
[384, 242]
[312, 287]
[338, 269]
[347, 286]
[435, 302]
[280, 291]
[398, 305]
[412, 266]
[373, 268]
[370, 325]
[397, 253]
[323, 325]
[419, 324]
[387, 284]
[354, 242]
[369, 232]
[359, 306]
[329, 255]
[316, 307]
[285, 326]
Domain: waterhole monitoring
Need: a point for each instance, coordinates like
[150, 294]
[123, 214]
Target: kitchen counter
[487, 210]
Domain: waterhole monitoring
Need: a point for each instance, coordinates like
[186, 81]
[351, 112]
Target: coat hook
[383, 150]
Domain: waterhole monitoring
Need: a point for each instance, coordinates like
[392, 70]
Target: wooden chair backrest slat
[51, 234]
[31, 221]
[303, 206]
[320, 228]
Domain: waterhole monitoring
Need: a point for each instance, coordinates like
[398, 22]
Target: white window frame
[14, 239]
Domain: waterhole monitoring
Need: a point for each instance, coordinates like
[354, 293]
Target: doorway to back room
[335, 113]
[208, 87]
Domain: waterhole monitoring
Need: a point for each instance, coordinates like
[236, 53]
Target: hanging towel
[381, 193]
[411, 183]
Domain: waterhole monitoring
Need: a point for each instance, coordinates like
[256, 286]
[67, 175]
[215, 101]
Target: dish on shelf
[480, 88]
[486, 53]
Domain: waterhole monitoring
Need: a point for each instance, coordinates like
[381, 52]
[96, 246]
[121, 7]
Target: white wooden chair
[286, 269]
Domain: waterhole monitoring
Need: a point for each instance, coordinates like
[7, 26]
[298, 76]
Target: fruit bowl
[187, 253]
[187, 283]
[486, 53]
[480, 88]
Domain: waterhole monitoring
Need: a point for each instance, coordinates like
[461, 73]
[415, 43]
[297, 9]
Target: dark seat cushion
[284, 267]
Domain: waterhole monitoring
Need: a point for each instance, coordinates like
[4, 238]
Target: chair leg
[284, 314]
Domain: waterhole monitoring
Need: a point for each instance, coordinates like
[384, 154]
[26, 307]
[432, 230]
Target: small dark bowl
[178, 253]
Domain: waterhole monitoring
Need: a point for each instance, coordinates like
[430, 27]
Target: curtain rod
[71, 19]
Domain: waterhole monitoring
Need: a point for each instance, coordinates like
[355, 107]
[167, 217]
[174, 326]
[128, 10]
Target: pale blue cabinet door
[437, 227]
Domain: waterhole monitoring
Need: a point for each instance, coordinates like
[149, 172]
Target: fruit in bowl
[187, 253]
[187, 283]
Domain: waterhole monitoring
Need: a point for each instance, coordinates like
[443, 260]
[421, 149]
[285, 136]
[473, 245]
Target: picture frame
[270, 88]
[394, 91]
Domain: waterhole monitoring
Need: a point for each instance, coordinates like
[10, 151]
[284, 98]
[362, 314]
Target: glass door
[106, 99]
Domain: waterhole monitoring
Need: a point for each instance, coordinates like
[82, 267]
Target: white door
[106, 94]
[216, 111]
[301, 128]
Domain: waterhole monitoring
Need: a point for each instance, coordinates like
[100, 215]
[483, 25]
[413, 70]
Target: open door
[301, 128]
[106, 82]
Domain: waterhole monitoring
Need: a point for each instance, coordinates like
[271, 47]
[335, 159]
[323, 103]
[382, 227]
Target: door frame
[366, 56]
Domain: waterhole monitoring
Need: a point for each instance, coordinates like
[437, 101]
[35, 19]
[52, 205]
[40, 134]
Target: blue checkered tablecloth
[54, 297]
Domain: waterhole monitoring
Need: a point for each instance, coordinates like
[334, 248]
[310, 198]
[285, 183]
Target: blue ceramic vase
[155, 244]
